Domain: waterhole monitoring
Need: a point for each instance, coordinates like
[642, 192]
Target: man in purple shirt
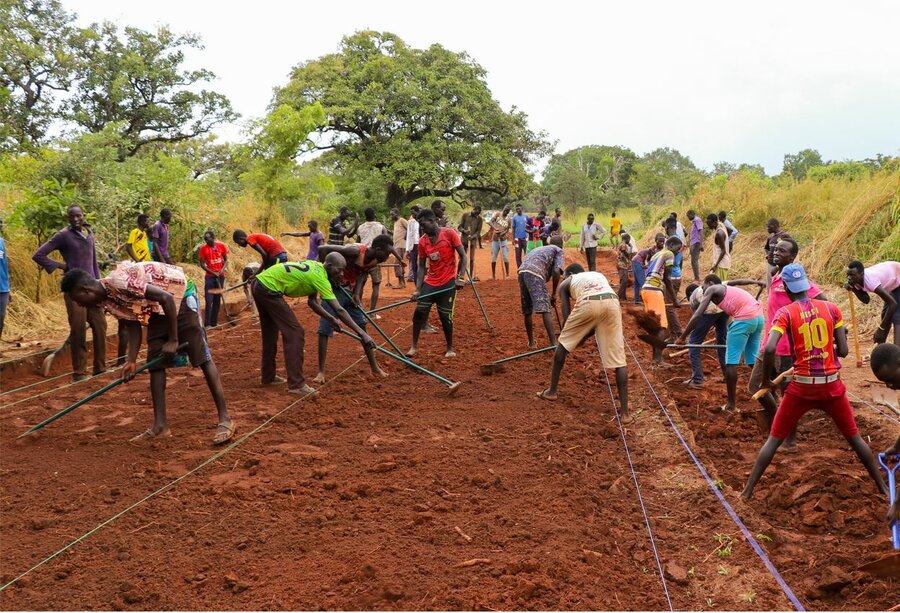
[76, 246]
[696, 243]
[159, 234]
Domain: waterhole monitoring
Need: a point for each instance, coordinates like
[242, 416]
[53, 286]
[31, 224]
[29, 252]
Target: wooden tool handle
[855, 329]
[763, 391]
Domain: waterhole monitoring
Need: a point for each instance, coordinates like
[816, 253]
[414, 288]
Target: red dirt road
[375, 495]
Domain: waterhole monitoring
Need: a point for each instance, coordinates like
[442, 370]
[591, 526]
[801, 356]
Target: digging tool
[452, 386]
[662, 344]
[222, 290]
[494, 367]
[402, 302]
[855, 329]
[558, 320]
[99, 392]
[762, 392]
[892, 490]
[376, 326]
[221, 283]
[889, 565]
[684, 351]
[478, 298]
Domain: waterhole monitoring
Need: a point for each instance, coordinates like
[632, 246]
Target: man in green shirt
[297, 279]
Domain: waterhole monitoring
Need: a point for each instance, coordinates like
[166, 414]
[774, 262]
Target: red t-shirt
[357, 266]
[269, 244]
[809, 327]
[213, 257]
[441, 256]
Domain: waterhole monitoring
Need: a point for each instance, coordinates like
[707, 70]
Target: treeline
[613, 177]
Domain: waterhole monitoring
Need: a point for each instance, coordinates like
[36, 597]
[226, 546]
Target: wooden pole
[855, 329]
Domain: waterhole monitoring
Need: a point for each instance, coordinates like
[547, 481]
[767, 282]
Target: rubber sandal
[542, 396]
[224, 436]
[148, 435]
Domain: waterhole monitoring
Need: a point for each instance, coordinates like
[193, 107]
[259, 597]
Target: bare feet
[532, 344]
[378, 373]
[320, 378]
[411, 352]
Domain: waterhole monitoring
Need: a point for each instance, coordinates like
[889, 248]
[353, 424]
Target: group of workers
[799, 328]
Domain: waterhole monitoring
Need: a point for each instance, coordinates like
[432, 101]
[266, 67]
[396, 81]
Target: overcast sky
[742, 82]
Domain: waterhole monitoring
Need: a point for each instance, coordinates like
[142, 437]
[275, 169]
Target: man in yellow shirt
[138, 245]
[615, 229]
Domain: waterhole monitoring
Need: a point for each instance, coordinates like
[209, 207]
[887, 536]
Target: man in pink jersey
[884, 280]
[784, 252]
[744, 332]
[815, 331]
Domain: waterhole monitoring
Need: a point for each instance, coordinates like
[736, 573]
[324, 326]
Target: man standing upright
[4, 279]
[500, 225]
[721, 254]
[470, 225]
[441, 251]
[338, 229]
[520, 234]
[729, 227]
[696, 243]
[76, 246]
[159, 234]
[615, 229]
[439, 209]
[412, 242]
[368, 231]
[399, 233]
[138, 244]
[591, 233]
[213, 259]
[773, 227]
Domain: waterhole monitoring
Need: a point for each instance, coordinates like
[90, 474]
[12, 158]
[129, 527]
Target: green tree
[36, 60]
[43, 211]
[424, 119]
[663, 174]
[596, 175]
[138, 79]
[798, 164]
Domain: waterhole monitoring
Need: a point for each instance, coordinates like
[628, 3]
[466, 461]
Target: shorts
[375, 274]
[604, 319]
[356, 314]
[655, 302]
[744, 337]
[445, 301]
[782, 363]
[800, 398]
[896, 318]
[190, 331]
[502, 247]
[722, 273]
[533, 294]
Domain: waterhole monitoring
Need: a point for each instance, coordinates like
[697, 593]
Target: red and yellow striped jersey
[809, 327]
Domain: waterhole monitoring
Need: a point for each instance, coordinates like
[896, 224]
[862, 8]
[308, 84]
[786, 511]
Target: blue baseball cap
[794, 278]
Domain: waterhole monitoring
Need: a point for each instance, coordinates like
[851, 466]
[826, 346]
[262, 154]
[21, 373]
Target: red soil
[353, 501]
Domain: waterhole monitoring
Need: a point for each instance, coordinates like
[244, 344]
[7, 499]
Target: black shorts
[444, 301]
[190, 331]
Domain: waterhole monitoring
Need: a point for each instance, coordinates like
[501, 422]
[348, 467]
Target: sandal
[543, 396]
[224, 435]
[148, 434]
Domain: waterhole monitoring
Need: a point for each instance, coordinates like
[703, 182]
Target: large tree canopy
[138, 80]
[424, 119]
[36, 60]
[595, 175]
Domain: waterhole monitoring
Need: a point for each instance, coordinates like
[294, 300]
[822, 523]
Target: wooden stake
[855, 329]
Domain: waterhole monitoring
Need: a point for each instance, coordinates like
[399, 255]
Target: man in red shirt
[213, 258]
[438, 250]
[815, 331]
[267, 246]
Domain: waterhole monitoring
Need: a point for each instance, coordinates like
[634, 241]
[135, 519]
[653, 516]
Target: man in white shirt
[591, 233]
[367, 232]
[412, 242]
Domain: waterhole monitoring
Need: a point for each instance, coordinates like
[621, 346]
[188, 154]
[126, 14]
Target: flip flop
[148, 435]
[223, 436]
[542, 395]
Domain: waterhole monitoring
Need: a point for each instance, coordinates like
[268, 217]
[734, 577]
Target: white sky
[718, 80]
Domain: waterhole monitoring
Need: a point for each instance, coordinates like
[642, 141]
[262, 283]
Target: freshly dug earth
[390, 495]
